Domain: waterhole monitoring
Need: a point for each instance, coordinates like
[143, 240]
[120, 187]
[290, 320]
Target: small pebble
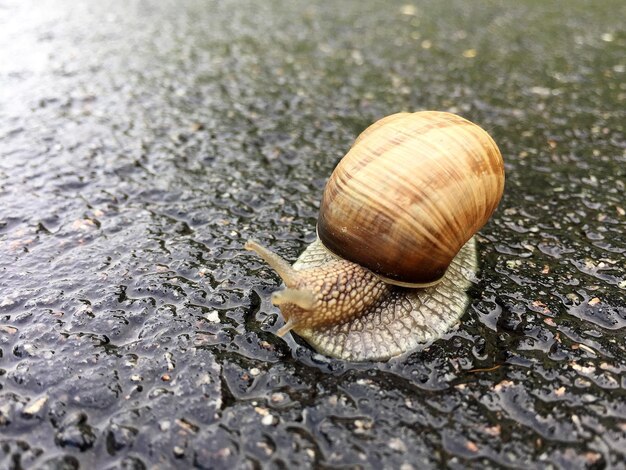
[471, 446]
[164, 425]
[361, 426]
[213, 317]
[35, 407]
[265, 448]
[397, 445]
[502, 385]
[493, 430]
[278, 397]
[267, 420]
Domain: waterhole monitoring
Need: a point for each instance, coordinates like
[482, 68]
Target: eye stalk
[292, 297]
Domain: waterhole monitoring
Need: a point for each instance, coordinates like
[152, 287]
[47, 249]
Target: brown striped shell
[412, 190]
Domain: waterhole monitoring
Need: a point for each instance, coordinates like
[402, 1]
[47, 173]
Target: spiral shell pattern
[412, 190]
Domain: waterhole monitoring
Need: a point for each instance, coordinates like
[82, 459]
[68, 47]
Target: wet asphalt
[141, 144]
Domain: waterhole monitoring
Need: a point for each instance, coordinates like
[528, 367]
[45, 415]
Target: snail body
[394, 256]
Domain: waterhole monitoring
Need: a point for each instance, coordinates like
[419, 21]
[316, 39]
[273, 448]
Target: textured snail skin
[353, 315]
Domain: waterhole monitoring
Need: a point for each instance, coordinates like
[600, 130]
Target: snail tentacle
[278, 264]
[287, 327]
[303, 298]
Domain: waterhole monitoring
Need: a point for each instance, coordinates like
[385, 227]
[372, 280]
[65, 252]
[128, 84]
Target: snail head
[323, 296]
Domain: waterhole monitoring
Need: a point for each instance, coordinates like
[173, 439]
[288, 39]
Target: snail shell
[413, 189]
[395, 254]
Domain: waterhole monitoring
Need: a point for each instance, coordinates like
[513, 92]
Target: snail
[395, 250]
